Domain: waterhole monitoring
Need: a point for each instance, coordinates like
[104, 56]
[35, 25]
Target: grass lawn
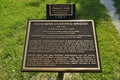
[14, 15]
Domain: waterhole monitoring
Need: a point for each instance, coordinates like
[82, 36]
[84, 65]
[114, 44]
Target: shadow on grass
[87, 9]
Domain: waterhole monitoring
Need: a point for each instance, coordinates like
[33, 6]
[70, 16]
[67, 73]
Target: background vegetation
[14, 15]
[117, 5]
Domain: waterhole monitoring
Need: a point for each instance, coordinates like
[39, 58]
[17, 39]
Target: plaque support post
[60, 76]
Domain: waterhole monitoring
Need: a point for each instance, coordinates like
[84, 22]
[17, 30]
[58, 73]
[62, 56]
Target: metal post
[60, 76]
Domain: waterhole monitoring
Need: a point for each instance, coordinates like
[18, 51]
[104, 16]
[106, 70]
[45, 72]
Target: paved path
[109, 4]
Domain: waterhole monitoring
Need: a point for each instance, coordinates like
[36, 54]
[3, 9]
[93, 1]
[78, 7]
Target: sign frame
[59, 69]
[63, 13]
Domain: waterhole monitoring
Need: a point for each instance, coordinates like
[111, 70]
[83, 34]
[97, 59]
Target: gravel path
[109, 4]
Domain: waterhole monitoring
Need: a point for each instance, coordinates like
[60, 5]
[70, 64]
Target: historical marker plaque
[60, 11]
[60, 45]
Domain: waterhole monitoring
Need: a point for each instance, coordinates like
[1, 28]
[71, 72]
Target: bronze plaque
[61, 45]
[60, 11]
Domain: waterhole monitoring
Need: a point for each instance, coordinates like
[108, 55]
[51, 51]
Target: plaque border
[58, 69]
[50, 12]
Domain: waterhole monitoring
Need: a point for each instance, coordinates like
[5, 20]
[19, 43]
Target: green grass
[14, 15]
[117, 5]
